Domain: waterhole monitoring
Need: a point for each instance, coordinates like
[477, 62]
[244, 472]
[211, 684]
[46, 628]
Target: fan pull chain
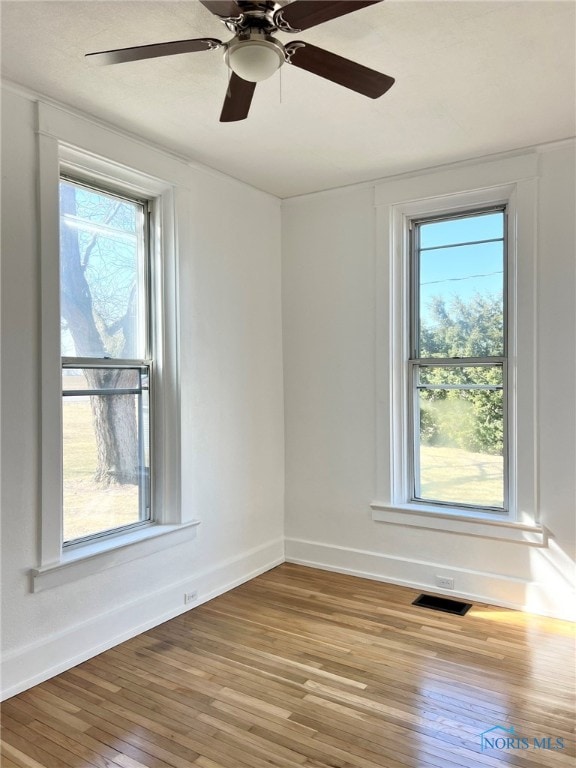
[280, 82]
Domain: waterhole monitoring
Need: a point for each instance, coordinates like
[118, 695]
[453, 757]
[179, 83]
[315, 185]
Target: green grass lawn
[455, 475]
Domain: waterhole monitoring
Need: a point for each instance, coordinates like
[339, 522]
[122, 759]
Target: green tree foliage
[460, 328]
[470, 419]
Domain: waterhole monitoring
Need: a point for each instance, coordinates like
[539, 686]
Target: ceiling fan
[254, 54]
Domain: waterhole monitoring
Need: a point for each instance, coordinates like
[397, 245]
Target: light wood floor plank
[302, 668]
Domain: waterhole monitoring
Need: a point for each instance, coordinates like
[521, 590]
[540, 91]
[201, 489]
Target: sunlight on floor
[529, 621]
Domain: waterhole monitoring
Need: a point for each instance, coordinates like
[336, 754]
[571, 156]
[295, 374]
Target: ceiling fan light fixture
[256, 58]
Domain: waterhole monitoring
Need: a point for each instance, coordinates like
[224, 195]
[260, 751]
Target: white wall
[329, 255]
[232, 420]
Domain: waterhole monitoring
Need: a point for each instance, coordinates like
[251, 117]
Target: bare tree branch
[92, 244]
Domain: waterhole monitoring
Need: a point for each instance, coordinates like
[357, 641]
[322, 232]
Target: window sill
[458, 522]
[95, 556]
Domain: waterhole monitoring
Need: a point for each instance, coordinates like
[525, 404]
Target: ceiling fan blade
[348, 73]
[224, 8]
[303, 14]
[238, 99]
[139, 52]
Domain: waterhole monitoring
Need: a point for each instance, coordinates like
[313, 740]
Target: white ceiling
[472, 78]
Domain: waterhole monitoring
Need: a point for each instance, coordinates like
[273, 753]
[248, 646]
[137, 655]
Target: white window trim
[90, 152]
[97, 555]
[513, 182]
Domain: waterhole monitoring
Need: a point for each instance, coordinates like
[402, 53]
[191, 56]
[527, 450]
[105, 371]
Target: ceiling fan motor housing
[253, 13]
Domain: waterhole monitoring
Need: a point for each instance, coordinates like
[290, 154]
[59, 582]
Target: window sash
[144, 428]
[414, 269]
[414, 485]
[143, 236]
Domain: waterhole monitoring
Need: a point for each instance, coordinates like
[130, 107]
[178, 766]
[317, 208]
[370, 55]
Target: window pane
[461, 309]
[468, 229]
[459, 451]
[102, 280]
[105, 449]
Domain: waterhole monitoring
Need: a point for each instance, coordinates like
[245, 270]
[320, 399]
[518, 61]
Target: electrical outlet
[190, 597]
[446, 582]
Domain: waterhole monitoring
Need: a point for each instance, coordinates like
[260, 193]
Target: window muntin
[457, 369]
[106, 362]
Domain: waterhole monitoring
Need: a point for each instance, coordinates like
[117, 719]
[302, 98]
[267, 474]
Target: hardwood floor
[302, 668]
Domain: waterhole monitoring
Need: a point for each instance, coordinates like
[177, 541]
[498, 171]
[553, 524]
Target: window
[457, 368]
[107, 361]
[456, 359]
[113, 222]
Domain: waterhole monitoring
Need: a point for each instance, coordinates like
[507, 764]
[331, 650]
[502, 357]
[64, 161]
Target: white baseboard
[26, 667]
[556, 601]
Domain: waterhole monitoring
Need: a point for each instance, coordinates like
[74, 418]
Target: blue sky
[461, 270]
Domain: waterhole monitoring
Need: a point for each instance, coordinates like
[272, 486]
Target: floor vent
[442, 604]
